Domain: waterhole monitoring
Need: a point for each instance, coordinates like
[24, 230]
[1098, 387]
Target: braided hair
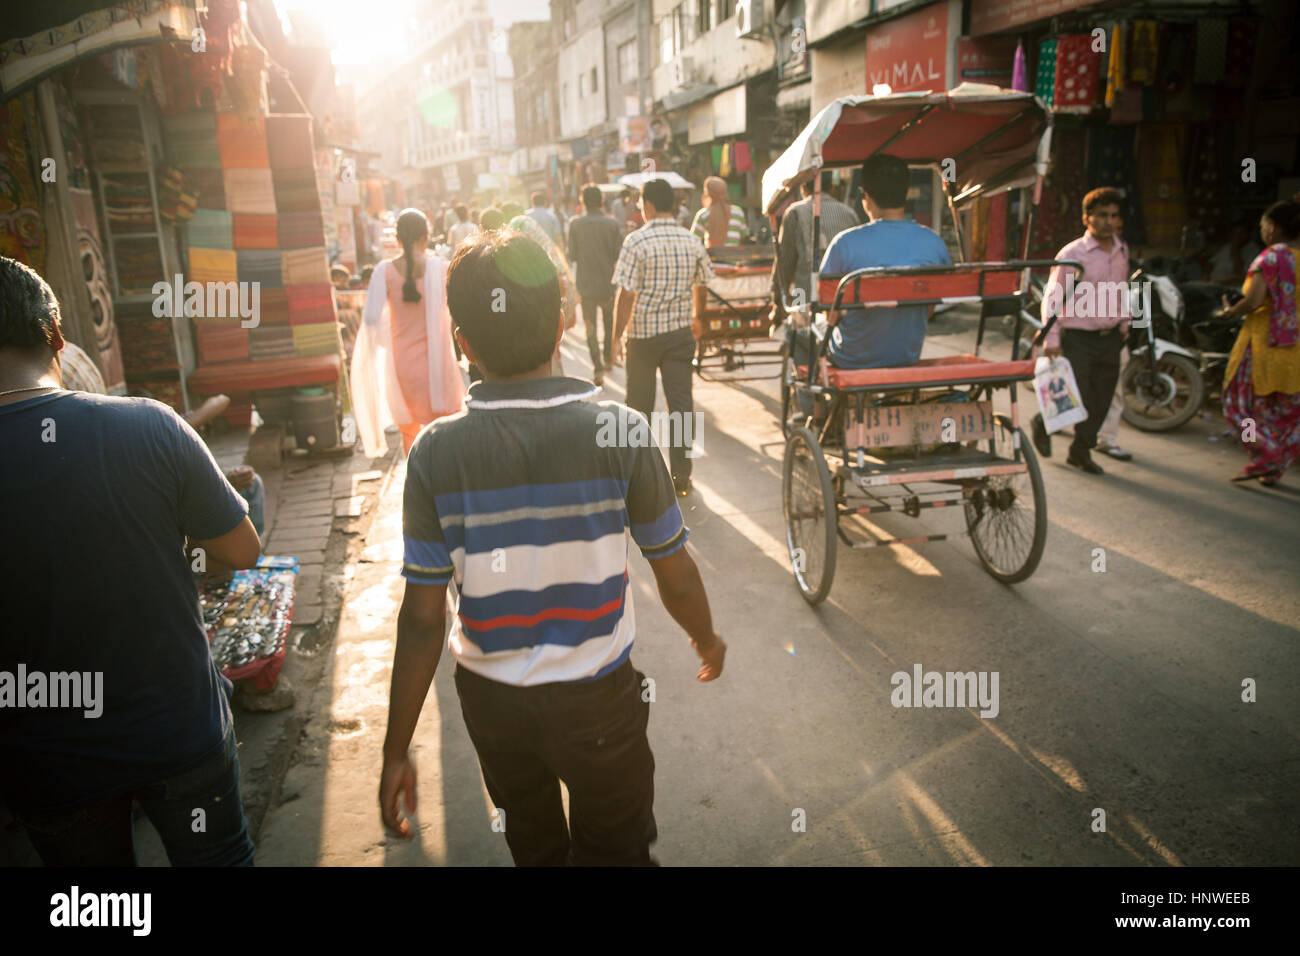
[412, 226]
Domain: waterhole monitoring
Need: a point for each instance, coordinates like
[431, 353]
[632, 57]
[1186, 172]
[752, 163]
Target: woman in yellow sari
[1261, 392]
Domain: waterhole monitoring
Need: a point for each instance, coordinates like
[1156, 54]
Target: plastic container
[315, 420]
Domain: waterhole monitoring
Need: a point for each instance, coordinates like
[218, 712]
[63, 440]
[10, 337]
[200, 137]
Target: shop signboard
[910, 54]
[993, 16]
[729, 112]
[986, 60]
[699, 128]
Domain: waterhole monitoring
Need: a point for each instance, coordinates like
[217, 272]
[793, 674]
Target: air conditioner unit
[749, 19]
[683, 71]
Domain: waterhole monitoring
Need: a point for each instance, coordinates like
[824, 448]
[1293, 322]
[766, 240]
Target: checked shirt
[661, 262]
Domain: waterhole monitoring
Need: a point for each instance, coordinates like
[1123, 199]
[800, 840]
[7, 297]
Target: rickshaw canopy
[996, 139]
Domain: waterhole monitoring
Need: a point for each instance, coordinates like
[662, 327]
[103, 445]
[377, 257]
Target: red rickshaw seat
[950, 368]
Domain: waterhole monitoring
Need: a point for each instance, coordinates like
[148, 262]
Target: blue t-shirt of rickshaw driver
[880, 338]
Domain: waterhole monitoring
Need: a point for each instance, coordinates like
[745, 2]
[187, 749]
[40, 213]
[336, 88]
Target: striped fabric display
[249, 190]
[306, 266]
[210, 229]
[300, 229]
[257, 265]
[319, 338]
[274, 307]
[310, 304]
[192, 139]
[213, 265]
[289, 141]
[254, 231]
[295, 189]
[208, 185]
[218, 343]
[273, 342]
[242, 142]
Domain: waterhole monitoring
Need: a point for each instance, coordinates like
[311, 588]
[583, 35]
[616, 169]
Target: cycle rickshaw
[734, 316]
[925, 436]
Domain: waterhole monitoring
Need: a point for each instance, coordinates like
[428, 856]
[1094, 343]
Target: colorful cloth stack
[289, 142]
[256, 265]
[213, 265]
[249, 190]
[253, 231]
[241, 142]
[219, 342]
[306, 266]
[147, 345]
[270, 342]
[192, 139]
[209, 186]
[310, 304]
[299, 229]
[210, 229]
[273, 306]
[319, 338]
[295, 189]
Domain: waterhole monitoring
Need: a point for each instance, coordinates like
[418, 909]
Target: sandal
[1271, 479]
[1247, 474]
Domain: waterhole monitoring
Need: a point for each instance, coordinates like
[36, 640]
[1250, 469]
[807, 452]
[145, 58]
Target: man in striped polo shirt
[525, 501]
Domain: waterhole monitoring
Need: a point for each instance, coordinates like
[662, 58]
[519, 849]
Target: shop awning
[92, 28]
[991, 135]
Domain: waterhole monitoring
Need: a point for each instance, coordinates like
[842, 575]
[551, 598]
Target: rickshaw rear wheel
[1007, 514]
[811, 517]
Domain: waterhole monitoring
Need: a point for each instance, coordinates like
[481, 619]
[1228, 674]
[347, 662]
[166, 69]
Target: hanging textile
[1077, 73]
[1111, 162]
[741, 157]
[1211, 51]
[1115, 66]
[1057, 221]
[1045, 84]
[978, 227]
[1020, 70]
[1205, 186]
[1159, 149]
[716, 153]
[1144, 52]
[1175, 68]
[724, 170]
[1128, 108]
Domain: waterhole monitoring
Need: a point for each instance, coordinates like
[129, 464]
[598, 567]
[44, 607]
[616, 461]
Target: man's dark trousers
[671, 354]
[1094, 357]
[591, 735]
[606, 307]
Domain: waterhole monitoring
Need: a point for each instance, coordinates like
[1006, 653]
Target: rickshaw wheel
[1007, 514]
[808, 500]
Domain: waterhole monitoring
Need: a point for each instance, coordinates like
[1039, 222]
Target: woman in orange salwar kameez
[404, 371]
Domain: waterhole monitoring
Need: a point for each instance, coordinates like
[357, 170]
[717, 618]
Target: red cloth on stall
[1078, 70]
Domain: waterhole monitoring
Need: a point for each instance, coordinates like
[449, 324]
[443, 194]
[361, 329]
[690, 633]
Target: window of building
[627, 63]
[666, 49]
[685, 23]
[704, 16]
[582, 85]
[725, 9]
[595, 83]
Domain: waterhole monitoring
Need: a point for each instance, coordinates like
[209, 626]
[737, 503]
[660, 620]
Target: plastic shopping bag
[1058, 393]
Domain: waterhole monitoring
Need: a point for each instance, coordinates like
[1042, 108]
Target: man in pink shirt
[1092, 319]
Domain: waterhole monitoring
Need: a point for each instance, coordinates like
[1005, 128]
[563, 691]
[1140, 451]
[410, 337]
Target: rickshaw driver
[876, 338]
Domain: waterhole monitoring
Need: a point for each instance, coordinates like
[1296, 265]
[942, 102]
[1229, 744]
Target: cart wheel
[808, 500]
[1007, 514]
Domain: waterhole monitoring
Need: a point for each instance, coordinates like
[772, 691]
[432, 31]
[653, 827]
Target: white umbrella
[637, 180]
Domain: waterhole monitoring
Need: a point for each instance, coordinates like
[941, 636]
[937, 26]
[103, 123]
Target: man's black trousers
[671, 354]
[1094, 357]
[591, 735]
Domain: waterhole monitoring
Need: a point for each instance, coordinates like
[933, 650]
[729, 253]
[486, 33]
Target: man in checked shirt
[659, 265]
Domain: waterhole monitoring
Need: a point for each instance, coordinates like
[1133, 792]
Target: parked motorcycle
[1178, 356]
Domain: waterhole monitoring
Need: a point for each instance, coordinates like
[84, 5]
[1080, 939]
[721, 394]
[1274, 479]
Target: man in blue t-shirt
[878, 338]
[108, 692]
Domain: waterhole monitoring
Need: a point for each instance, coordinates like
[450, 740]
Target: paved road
[1119, 691]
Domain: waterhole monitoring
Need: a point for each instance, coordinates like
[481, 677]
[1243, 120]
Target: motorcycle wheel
[1172, 400]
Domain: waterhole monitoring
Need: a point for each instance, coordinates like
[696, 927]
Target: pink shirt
[1096, 300]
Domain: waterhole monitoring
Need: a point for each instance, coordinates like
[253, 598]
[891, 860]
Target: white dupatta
[376, 397]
